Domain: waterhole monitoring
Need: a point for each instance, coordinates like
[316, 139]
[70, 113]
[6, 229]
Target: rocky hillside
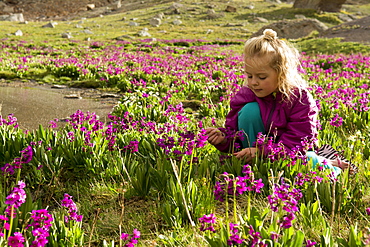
[355, 29]
[65, 9]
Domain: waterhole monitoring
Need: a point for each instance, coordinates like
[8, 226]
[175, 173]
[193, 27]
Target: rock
[90, 6]
[67, 35]
[294, 29]
[117, 5]
[177, 22]
[155, 22]
[109, 95]
[306, 4]
[211, 12]
[251, 6]
[8, 9]
[230, 9]
[159, 16]
[260, 19]
[234, 25]
[175, 9]
[209, 31]
[211, 6]
[18, 33]
[72, 96]
[300, 17]
[331, 5]
[244, 30]
[345, 17]
[59, 86]
[322, 5]
[13, 17]
[133, 24]
[354, 31]
[213, 15]
[144, 33]
[50, 25]
[87, 31]
[176, 6]
[124, 37]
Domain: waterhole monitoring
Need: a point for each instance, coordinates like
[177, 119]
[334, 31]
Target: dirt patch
[104, 97]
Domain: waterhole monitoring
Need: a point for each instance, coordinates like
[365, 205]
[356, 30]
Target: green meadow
[148, 177]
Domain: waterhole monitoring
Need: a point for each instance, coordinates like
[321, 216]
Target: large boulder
[294, 29]
[323, 5]
[12, 17]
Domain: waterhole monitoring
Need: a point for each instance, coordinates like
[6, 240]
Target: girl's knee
[250, 111]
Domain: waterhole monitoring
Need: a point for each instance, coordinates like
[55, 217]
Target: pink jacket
[290, 122]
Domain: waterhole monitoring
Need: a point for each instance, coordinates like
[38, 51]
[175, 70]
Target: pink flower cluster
[68, 203]
[131, 239]
[285, 198]
[238, 185]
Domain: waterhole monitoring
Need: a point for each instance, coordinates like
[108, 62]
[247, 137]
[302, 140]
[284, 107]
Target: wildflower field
[148, 177]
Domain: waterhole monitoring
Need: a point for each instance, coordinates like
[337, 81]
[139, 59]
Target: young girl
[275, 102]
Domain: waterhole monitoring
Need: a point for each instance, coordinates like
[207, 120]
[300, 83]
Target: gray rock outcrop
[155, 22]
[294, 29]
[13, 17]
[353, 31]
[323, 5]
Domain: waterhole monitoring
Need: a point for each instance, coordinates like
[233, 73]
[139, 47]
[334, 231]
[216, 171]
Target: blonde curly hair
[281, 56]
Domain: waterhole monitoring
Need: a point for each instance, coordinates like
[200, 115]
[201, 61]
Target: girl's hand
[247, 154]
[215, 136]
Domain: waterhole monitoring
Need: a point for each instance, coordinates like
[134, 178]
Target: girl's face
[262, 79]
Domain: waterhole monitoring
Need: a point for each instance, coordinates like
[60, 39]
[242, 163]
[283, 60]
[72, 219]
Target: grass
[110, 205]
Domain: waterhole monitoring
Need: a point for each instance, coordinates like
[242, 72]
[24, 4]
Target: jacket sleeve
[231, 125]
[301, 123]
[242, 97]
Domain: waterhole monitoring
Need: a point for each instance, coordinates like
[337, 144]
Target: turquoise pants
[250, 123]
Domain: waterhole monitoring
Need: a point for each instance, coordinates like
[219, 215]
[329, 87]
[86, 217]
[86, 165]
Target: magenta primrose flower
[17, 240]
[284, 196]
[237, 185]
[11, 121]
[8, 169]
[68, 203]
[256, 239]
[368, 211]
[310, 243]
[26, 157]
[308, 178]
[131, 239]
[337, 121]
[18, 196]
[235, 238]
[40, 222]
[207, 222]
